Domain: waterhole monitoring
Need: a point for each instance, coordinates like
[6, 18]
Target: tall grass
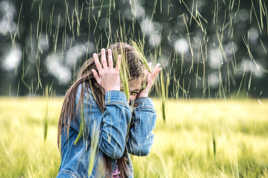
[202, 139]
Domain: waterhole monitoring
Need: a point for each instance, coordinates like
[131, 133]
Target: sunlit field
[200, 138]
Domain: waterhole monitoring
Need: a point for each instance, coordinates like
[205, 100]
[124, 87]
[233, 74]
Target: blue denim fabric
[111, 129]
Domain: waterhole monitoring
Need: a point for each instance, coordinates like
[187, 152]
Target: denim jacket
[109, 132]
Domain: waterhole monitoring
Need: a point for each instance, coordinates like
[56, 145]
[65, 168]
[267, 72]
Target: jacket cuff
[115, 97]
[144, 102]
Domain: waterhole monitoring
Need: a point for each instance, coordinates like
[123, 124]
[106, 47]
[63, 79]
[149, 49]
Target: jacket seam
[116, 102]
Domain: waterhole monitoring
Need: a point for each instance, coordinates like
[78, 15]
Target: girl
[97, 129]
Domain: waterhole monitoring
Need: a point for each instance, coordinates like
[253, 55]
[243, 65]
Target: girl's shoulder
[87, 94]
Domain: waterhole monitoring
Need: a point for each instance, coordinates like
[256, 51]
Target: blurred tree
[208, 48]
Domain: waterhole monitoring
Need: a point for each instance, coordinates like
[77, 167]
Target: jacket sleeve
[111, 125]
[143, 122]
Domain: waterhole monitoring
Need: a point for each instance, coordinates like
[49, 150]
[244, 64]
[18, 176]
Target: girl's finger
[110, 59]
[150, 66]
[157, 69]
[153, 75]
[103, 58]
[118, 63]
[97, 62]
[96, 76]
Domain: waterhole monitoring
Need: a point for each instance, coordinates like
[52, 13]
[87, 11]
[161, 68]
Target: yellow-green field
[201, 138]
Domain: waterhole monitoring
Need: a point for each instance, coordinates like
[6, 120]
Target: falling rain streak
[203, 52]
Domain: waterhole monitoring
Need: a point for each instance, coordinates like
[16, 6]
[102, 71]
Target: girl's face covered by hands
[108, 76]
[135, 87]
[141, 87]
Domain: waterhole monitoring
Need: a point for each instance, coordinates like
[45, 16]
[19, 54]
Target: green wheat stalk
[124, 79]
[124, 72]
[46, 114]
[139, 49]
[93, 147]
[214, 145]
[163, 96]
[82, 123]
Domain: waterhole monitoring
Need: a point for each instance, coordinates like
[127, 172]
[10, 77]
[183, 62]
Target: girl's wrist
[110, 89]
[143, 95]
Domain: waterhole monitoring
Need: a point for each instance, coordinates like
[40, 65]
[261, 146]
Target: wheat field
[199, 139]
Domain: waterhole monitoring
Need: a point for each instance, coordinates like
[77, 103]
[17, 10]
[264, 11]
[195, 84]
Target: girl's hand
[150, 81]
[107, 76]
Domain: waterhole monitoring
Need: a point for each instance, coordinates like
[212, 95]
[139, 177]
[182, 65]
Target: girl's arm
[112, 124]
[115, 119]
[144, 117]
[109, 127]
[143, 122]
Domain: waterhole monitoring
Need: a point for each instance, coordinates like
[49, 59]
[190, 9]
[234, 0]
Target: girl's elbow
[144, 151]
[139, 149]
[112, 150]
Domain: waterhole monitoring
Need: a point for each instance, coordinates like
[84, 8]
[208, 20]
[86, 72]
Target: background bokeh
[208, 48]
